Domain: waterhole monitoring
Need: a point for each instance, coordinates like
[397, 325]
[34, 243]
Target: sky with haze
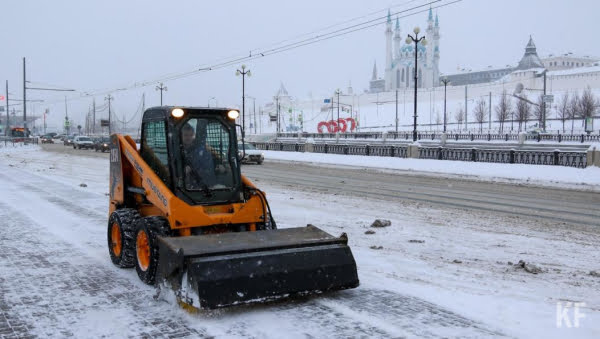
[95, 46]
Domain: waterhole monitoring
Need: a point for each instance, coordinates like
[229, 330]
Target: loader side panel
[116, 187]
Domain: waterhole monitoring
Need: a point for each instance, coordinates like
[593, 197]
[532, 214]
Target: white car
[252, 154]
[82, 141]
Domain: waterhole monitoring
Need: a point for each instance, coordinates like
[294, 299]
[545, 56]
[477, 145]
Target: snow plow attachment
[218, 270]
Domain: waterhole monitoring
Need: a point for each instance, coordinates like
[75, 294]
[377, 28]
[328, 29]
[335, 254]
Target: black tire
[125, 219]
[74, 147]
[152, 227]
[259, 162]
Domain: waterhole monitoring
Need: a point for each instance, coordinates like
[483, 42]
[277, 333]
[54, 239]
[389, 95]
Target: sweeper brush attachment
[243, 267]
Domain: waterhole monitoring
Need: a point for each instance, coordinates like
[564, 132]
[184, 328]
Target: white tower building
[400, 58]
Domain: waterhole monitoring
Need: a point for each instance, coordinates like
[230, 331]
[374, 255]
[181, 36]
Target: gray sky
[90, 45]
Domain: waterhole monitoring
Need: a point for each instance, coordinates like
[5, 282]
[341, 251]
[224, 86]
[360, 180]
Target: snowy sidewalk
[553, 176]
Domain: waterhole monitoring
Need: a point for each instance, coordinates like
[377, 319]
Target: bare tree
[503, 109]
[459, 116]
[523, 112]
[563, 113]
[573, 110]
[588, 105]
[479, 113]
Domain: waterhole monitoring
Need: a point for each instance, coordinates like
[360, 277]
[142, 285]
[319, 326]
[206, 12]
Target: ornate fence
[506, 156]
[451, 136]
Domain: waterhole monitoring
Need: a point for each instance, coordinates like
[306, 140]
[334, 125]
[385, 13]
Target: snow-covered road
[439, 272]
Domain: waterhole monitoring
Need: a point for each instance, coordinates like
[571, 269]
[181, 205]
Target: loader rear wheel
[146, 246]
[121, 242]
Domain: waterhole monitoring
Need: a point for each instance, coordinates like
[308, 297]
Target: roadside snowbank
[588, 178]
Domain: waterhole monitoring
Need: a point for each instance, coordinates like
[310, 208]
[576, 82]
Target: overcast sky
[109, 44]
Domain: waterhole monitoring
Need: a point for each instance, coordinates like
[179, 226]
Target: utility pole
[7, 117]
[160, 88]
[544, 105]
[490, 113]
[277, 111]
[337, 92]
[396, 110]
[445, 81]
[24, 97]
[109, 98]
[331, 108]
[67, 124]
[254, 113]
[466, 111]
[94, 116]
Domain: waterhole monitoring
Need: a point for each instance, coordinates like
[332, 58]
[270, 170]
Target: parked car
[102, 144]
[82, 141]
[67, 141]
[252, 155]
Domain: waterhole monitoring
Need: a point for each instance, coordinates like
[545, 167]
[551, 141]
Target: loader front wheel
[121, 242]
[146, 246]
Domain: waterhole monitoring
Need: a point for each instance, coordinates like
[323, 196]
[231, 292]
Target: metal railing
[582, 138]
[505, 156]
[512, 156]
[16, 141]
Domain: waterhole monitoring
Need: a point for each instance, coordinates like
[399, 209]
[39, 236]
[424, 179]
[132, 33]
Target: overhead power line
[261, 53]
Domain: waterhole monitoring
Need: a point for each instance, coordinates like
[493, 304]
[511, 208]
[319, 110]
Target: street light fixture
[243, 73]
[416, 40]
[161, 88]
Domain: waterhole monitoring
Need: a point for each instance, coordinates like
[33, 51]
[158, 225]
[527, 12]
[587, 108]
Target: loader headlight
[177, 112]
[233, 114]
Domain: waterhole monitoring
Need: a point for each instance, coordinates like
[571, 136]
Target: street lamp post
[416, 40]
[160, 88]
[109, 98]
[337, 92]
[445, 81]
[243, 73]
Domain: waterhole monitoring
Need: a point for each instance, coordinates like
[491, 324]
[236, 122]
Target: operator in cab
[198, 160]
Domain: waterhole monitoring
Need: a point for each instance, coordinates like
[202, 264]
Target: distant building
[567, 61]
[400, 59]
[530, 60]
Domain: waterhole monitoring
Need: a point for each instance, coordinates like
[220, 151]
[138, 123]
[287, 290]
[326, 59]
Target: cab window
[154, 149]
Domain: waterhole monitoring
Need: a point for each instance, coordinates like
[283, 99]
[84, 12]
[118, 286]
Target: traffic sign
[103, 123]
[548, 98]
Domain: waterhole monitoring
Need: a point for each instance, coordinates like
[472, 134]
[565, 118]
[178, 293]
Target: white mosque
[400, 59]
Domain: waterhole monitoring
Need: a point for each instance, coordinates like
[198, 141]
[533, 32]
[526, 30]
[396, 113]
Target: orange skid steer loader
[182, 214]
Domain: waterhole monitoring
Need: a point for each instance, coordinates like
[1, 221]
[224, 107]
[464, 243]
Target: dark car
[252, 154]
[47, 139]
[68, 141]
[102, 144]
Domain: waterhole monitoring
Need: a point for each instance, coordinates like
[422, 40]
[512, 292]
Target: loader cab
[194, 152]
